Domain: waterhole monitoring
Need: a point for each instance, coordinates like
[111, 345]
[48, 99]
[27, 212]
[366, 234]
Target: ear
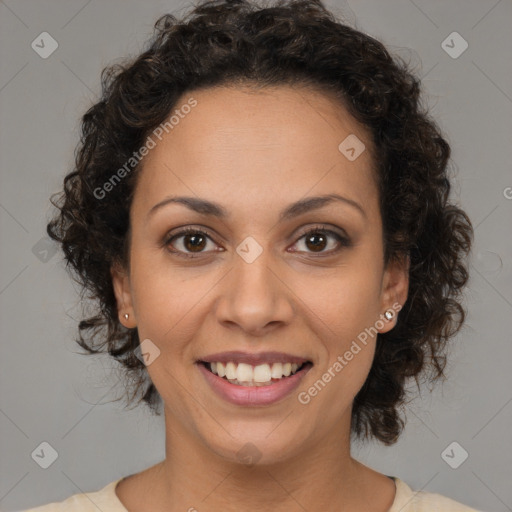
[122, 291]
[394, 291]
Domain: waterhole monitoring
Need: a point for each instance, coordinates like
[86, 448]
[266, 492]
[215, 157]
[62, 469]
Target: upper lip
[253, 359]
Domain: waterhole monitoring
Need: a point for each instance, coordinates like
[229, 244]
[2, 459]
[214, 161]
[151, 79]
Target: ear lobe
[122, 292]
[395, 288]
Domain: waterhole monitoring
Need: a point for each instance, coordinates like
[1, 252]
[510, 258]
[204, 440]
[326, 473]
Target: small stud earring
[389, 314]
[126, 315]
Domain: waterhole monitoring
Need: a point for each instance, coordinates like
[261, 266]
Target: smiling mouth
[243, 374]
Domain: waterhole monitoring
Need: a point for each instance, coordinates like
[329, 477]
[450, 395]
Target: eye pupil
[316, 245]
[194, 244]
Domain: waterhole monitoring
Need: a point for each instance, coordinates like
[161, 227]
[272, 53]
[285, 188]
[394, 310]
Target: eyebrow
[213, 209]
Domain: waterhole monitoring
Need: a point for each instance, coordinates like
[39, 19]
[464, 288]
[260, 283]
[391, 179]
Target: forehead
[240, 144]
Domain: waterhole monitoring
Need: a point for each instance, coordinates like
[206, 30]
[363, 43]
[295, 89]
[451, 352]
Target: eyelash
[343, 241]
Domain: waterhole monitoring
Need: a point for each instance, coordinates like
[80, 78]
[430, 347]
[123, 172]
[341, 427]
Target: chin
[255, 447]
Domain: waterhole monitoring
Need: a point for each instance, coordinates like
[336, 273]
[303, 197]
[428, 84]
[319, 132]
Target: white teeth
[277, 371]
[230, 370]
[262, 373]
[221, 370]
[245, 374]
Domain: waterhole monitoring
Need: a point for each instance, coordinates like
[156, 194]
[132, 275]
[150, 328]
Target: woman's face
[254, 283]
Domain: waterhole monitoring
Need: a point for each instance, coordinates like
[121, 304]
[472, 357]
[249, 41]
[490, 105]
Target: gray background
[51, 393]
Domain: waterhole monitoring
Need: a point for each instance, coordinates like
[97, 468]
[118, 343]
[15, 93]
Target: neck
[320, 476]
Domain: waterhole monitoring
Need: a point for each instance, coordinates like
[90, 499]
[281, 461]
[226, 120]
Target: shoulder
[407, 500]
[104, 499]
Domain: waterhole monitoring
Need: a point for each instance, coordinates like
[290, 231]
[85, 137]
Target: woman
[260, 207]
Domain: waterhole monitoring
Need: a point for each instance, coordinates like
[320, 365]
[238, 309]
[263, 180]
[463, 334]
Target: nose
[254, 297]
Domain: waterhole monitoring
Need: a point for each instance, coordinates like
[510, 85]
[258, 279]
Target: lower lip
[253, 395]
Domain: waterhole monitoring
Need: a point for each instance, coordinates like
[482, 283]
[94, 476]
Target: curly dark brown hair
[231, 42]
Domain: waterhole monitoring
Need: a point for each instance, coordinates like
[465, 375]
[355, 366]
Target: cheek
[347, 300]
[345, 307]
[159, 298]
[161, 293]
[170, 306]
[348, 345]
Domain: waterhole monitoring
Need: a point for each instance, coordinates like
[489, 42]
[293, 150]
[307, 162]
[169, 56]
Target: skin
[255, 152]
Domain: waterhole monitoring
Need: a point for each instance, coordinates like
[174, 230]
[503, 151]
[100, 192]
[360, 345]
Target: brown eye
[194, 242]
[188, 241]
[316, 240]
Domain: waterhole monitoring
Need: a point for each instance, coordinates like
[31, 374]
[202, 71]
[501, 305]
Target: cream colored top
[106, 500]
